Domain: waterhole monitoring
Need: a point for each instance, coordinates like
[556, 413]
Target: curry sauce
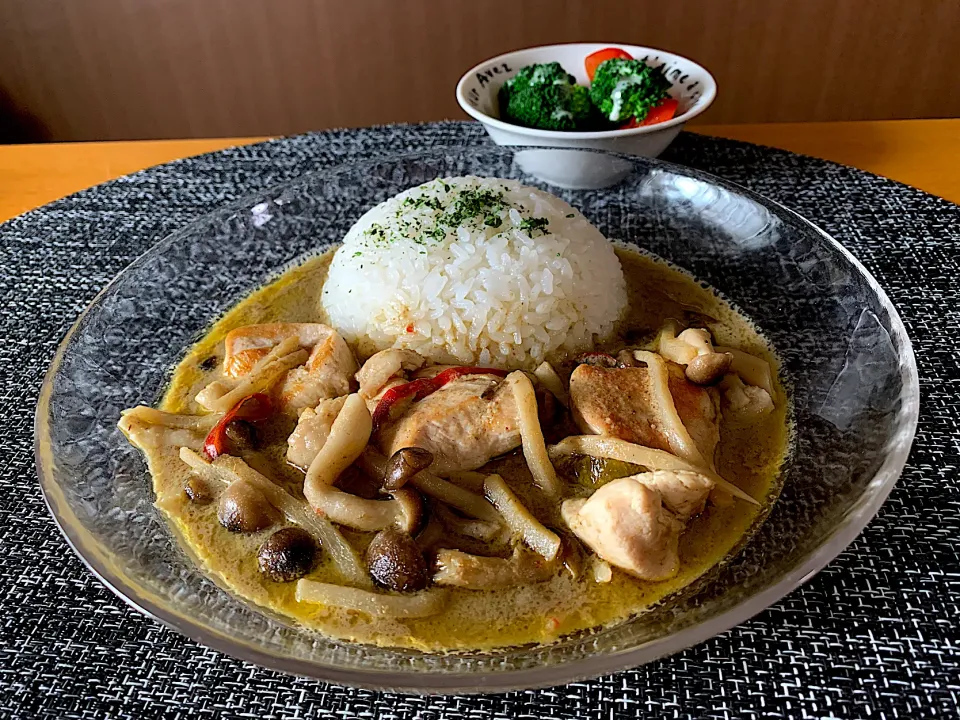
[750, 456]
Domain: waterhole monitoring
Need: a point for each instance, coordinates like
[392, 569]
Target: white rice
[457, 290]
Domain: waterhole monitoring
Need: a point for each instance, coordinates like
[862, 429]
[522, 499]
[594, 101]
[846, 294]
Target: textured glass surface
[847, 359]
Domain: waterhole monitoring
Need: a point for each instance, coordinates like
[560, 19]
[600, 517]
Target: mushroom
[551, 381]
[385, 365]
[684, 347]
[209, 363]
[625, 359]
[708, 369]
[433, 532]
[412, 510]
[396, 563]
[597, 359]
[404, 464]
[373, 463]
[243, 508]
[571, 556]
[476, 529]
[287, 555]
[475, 572]
[347, 439]
[356, 482]
[404, 511]
[531, 434]
[197, 490]
[242, 436]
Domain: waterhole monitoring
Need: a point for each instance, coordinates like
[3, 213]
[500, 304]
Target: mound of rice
[477, 271]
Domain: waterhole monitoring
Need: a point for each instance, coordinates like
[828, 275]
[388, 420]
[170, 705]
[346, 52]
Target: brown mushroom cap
[356, 482]
[626, 359]
[287, 555]
[404, 464]
[708, 369]
[242, 437]
[197, 490]
[396, 563]
[243, 508]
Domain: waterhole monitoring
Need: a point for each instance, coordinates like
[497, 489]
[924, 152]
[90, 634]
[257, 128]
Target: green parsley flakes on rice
[475, 271]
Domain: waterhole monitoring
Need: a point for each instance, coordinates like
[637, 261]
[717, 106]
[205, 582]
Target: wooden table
[922, 153]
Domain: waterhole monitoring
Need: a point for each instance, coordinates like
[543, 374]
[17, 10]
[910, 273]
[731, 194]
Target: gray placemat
[874, 635]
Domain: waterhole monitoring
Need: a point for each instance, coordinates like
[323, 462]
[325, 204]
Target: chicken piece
[312, 431]
[682, 492]
[245, 346]
[625, 523]
[745, 403]
[621, 403]
[327, 373]
[465, 423]
[383, 366]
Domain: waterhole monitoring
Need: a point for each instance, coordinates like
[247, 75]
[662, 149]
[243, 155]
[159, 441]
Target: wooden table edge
[921, 153]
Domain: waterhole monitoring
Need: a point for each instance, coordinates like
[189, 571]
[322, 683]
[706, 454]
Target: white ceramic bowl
[692, 85]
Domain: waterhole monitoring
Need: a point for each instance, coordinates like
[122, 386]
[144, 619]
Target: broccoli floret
[624, 89]
[547, 97]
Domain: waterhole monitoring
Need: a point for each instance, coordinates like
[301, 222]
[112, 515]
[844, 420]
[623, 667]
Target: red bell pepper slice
[394, 395]
[253, 408]
[593, 60]
[419, 389]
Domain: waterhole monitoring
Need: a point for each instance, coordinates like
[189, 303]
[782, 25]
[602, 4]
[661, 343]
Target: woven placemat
[874, 635]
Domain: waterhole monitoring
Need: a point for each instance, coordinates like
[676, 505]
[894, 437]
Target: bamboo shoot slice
[531, 436]
[679, 437]
[552, 382]
[418, 605]
[520, 520]
[615, 449]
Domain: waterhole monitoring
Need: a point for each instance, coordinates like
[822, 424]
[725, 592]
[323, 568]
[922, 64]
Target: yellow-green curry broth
[749, 456]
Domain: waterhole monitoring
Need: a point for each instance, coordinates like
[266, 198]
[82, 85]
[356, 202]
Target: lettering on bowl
[485, 76]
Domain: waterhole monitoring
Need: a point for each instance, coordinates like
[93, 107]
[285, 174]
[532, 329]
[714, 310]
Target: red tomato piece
[661, 113]
[593, 60]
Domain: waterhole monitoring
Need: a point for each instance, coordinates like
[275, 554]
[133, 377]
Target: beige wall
[111, 69]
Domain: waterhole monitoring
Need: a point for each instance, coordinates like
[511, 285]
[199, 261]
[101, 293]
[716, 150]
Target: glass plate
[847, 360]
